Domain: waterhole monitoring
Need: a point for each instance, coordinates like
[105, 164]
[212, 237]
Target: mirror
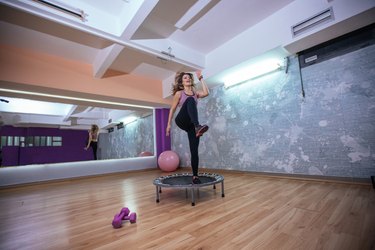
[41, 132]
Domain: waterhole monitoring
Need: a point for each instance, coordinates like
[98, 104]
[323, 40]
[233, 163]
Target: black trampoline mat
[186, 180]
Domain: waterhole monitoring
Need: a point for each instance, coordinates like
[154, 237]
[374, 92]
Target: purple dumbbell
[117, 220]
[132, 217]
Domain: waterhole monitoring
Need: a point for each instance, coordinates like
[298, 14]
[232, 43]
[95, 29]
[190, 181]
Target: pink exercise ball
[168, 161]
[146, 153]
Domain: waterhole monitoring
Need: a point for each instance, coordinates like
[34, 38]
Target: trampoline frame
[158, 182]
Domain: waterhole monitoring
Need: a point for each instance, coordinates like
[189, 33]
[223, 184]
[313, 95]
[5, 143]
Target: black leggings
[94, 146]
[186, 120]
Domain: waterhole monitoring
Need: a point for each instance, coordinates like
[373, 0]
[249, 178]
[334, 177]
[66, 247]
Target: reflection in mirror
[40, 132]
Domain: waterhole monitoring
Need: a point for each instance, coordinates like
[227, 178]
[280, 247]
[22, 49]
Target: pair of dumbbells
[123, 215]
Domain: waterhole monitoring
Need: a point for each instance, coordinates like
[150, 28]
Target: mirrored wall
[41, 132]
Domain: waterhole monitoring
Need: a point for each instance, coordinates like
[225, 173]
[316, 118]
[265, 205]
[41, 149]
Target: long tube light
[253, 71]
[74, 98]
[128, 119]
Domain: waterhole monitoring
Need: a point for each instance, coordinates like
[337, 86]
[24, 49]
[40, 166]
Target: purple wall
[163, 142]
[72, 149]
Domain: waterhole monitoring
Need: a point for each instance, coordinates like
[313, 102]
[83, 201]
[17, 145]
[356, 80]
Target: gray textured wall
[265, 125]
[128, 141]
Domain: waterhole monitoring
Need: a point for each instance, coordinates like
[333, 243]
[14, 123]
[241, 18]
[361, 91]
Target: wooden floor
[256, 213]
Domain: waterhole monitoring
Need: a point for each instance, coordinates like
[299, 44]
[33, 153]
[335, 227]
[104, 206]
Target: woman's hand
[205, 92]
[199, 74]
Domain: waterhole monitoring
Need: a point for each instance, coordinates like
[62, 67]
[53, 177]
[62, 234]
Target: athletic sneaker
[200, 130]
[196, 181]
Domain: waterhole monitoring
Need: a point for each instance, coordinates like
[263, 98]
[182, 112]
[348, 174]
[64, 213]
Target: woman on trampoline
[186, 97]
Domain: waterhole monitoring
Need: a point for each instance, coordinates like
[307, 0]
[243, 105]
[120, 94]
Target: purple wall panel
[10, 156]
[72, 148]
[163, 142]
[12, 131]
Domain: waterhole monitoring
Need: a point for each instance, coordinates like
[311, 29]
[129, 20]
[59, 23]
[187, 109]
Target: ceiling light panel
[25, 106]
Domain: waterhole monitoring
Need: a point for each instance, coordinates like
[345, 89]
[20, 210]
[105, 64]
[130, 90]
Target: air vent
[312, 22]
[62, 7]
[342, 45]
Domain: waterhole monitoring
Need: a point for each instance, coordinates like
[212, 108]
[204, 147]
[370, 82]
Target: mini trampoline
[183, 180]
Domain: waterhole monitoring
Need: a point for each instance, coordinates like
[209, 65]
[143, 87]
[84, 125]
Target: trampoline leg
[192, 197]
[157, 194]
[222, 189]
[214, 186]
[186, 193]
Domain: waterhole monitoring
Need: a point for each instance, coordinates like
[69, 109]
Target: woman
[93, 139]
[185, 96]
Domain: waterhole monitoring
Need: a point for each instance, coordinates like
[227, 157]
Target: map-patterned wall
[129, 141]
[267, 126]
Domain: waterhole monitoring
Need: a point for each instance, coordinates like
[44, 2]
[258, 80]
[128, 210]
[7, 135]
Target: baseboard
[332, 179]
[335, 179]
[70, 179]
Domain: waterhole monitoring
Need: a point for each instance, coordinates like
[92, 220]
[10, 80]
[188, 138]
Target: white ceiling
[27, 25]
[130, 35]
[224, 21]
[145, 28]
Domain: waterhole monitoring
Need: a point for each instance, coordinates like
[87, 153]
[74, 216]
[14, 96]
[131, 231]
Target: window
[16, 141]
[10, 141]
[31, 141]
[57, 141]
[43, 141]
[49, 141]
[22, 141]
[36, 141]
[3, 141]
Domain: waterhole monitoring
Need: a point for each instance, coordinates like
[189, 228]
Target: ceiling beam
[71, 111]
[105, 58]
[138, 19]
[192, 14]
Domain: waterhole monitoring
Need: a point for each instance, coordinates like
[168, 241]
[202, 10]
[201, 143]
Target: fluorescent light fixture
[129, 119]
[17, 105]
[252, 71]
[74, 98]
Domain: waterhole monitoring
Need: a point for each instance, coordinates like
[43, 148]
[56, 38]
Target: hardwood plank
[257, 212]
